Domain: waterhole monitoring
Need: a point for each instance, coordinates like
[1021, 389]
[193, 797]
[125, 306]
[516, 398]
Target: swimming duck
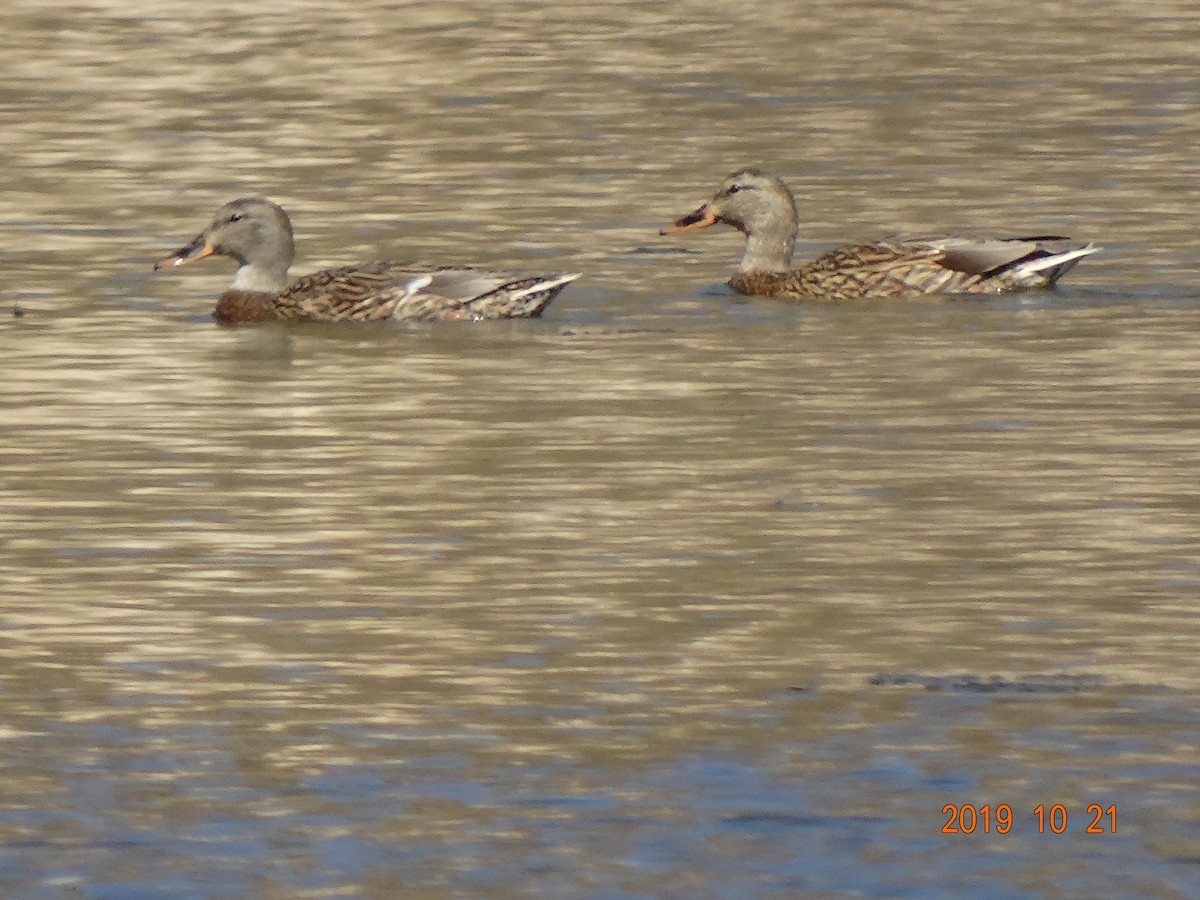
[258, 234]
[761, 207]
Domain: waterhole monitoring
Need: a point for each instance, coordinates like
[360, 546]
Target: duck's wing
[388, 290]
[1008, 263]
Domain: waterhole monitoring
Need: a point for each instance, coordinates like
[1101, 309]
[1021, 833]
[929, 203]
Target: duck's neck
[260, 278]
[769, 248]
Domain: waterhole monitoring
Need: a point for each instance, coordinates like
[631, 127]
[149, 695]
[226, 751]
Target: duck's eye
[734, 188]
[237, 217]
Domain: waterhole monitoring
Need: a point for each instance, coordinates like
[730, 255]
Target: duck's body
[258, 234]
[761, 207]
[382, 290]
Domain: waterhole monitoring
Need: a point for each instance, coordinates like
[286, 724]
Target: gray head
[255, 232]
[760, 206]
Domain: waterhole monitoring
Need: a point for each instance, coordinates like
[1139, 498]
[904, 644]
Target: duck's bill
[197, 249]
[700, 218]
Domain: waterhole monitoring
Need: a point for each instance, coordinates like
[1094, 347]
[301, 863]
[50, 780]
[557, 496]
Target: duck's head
[748, 200]
[255, 232]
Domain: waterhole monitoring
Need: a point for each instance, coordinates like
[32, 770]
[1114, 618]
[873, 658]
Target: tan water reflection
[283, 611]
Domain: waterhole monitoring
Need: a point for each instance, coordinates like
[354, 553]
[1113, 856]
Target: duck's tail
[1045, 270]
[527, 299]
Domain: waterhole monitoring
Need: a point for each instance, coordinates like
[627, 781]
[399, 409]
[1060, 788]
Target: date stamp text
[967, 818]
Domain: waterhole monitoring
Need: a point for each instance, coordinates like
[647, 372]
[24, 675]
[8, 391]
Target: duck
[257, 233]
[762, 207]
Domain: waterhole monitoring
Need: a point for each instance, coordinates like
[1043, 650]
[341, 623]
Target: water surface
[670, 593]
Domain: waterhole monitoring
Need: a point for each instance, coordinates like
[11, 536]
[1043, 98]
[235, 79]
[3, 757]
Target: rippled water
[669, 593]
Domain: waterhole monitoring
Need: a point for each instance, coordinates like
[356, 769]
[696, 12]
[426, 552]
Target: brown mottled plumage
[258, 234]
[762, 208]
